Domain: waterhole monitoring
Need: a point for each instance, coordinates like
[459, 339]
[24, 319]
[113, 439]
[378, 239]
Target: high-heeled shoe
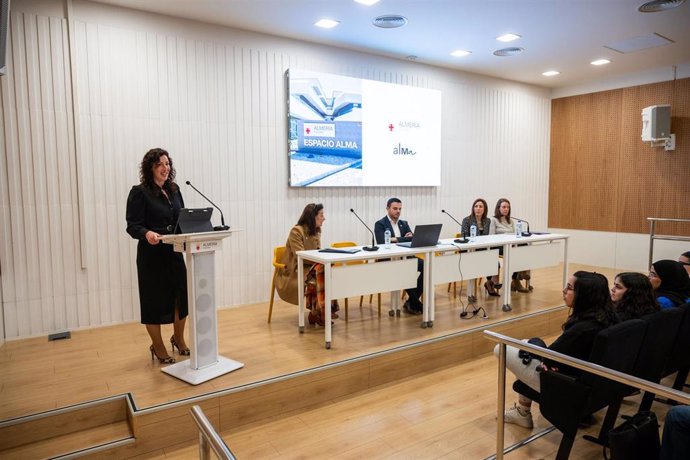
[490, 289]
[313, 319]
[515, 285]
[183, 352]
[334, 309]
[163, 360]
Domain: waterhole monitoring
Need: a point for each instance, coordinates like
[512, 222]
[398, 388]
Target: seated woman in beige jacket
[306, 235]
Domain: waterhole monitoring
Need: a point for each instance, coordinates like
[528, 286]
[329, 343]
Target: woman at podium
[152, 210]
[304, 236]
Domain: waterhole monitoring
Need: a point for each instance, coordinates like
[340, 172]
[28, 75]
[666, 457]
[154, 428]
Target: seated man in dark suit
[400, 229]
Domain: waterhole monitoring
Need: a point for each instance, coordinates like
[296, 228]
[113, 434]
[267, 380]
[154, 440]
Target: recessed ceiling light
[326, 23]
[508, 51]
[550, 73]
[460, 53]
[600, 62]
[367, 2]
[659, 5]
[508, 37]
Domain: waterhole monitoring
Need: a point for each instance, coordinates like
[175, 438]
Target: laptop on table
[424, 236]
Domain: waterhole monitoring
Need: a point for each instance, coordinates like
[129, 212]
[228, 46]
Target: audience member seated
[306, 235]
[684, 260]
[670, 282]
[501, 224]
[587, 296]
[633, 296]
[675, 442]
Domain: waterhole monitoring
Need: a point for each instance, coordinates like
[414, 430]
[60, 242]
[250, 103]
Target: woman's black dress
[161, 271]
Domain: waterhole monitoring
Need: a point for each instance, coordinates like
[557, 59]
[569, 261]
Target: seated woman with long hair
[306, 235]
[591, 311]
[501, 223]
[633, 296]
[670, 282]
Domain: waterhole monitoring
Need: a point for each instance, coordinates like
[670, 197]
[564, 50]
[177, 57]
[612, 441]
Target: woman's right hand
[153, 238]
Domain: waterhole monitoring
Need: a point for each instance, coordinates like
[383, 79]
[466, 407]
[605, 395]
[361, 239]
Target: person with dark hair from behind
[478, 218]
[670, 282]
[684, 260]
[675, 441]
[633, 296]
[152, 210]
[304, 236]
[591, 311]
[400, 229]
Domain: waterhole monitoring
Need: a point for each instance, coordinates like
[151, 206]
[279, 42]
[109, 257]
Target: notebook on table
[424, 236]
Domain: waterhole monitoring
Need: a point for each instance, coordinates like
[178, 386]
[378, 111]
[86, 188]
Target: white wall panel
[215, 99]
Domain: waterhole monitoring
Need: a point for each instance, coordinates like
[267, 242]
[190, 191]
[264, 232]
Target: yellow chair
[349, 244]
[278, 252]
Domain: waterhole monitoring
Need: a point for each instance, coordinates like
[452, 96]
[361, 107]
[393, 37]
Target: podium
[204, 363]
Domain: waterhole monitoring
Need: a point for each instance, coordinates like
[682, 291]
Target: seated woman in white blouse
[502, 223]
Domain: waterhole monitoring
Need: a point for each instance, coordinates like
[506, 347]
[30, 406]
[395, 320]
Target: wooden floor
[39, 375]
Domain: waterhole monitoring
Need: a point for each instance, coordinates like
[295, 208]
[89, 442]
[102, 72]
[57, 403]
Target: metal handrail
[209, 439]
[595, 369]
[653, 236]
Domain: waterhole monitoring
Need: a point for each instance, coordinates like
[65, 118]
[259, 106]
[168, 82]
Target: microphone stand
[462, 234]
[222, 225]
[527, 233]
[373, 246]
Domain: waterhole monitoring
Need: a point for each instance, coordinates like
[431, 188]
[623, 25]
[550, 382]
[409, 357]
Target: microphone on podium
[462, 234]
[222, 225]
[373, 246]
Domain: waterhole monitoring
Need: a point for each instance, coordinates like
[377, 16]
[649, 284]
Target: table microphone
[527, 233]
[373, 246]
[457, 240]
[222, 225]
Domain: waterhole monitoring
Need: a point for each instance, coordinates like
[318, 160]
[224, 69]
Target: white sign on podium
[205, 363]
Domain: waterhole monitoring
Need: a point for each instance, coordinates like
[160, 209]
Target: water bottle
[387, 239]
[473, 231]
[518, 228]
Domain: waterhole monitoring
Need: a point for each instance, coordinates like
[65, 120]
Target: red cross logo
[307, 130]
[390, 127]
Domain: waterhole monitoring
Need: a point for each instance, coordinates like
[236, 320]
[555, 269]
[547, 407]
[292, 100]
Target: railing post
[204, 447]
[652, 231]
[501, 404]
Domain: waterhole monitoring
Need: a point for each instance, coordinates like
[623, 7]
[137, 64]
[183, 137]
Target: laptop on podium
[424, 236]
[194, 220]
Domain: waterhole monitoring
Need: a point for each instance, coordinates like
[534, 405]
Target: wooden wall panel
[215, 98]
[603, 177]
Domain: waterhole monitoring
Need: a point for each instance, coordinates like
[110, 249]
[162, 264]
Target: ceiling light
[508, 51]
[326, 23]
[367, 2]
[600, 62]
[508, 37]
[659, 5]
[550, 73]
[390, 21]
[460, 53]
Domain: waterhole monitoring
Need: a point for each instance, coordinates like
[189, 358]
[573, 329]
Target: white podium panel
[538, 255]
[475, 264]
[204, 362]
[370, 278]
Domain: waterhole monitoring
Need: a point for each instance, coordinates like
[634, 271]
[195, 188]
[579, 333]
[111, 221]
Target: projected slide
[346, 132]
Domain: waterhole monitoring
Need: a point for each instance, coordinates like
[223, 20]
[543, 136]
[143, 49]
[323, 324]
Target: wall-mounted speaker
[656, 122]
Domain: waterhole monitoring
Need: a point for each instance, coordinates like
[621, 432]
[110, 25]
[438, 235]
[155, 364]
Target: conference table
[345, 274]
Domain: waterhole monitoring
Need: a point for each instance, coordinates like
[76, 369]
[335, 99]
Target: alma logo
[319, 130]
[400, 150]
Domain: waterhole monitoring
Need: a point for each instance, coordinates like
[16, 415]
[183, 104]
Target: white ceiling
[564, 35]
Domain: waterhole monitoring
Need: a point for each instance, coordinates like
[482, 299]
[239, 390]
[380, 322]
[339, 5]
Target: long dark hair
[592, 300]
[151, 158]
[486, 209]
[308, 218]
[638, 299]
[675, 283]
[497, 210]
